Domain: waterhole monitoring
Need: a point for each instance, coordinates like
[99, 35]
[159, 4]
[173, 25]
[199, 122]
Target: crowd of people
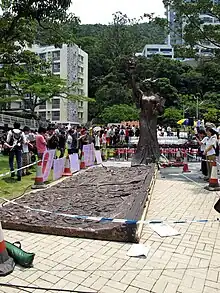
[25, 145]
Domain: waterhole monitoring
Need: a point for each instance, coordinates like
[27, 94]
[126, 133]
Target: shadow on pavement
[176, 174]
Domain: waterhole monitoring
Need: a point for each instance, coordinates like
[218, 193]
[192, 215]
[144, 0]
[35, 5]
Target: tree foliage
[33, 83]
[171, 116]
[22, 73]
[195, 23]
[118, 113]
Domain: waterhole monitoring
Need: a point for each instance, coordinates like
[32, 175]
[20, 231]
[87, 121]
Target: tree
[21, 22]
[106, 44]
[171, 116]
[118, 113]
[34, 84]
[194, 28]
[212, 115]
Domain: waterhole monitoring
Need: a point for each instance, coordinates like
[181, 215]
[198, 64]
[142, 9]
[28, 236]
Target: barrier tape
[16, 170]
[211, 161]
[112, 220]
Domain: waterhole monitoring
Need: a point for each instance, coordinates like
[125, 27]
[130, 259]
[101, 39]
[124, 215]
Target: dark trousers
[18, 154]
[73, 151]
[204, 166]
[62, 151]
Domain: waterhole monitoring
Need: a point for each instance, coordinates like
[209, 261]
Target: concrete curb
[147, 204]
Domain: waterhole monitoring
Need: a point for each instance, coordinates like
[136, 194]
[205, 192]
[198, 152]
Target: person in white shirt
[25, 151]
[97, 141]
[69, 142]
[169, 131]
[210, 149]
[202, 139]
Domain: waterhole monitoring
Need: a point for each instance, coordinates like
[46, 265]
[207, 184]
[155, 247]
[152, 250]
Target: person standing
[169, 131]
[76, 140]
[210, 150]
[15, 140]
[69, 142]
[62, 143]
[202, 140]
[41, 142]
[83, 140]
[52, 139]
[25, 151]
[97, 141]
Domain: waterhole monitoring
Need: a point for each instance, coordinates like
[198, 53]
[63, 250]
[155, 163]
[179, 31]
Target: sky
[100, 11]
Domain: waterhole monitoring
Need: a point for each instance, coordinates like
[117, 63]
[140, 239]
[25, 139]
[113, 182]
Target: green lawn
[10, 187]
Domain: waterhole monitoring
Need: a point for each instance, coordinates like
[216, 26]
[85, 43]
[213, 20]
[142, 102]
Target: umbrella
[183, 122]
[97, 128]
[180, 122]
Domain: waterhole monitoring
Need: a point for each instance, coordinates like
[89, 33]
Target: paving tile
[99, 284]
[131, 289]
[116, 285]
[107, 289]
[182, 264]
[171, 288]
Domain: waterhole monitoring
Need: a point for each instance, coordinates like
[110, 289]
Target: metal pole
[197, 107]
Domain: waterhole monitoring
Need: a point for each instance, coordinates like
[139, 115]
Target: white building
[71, 64]
[154, 49]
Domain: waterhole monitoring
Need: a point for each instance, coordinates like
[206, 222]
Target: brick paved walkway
[188, 263]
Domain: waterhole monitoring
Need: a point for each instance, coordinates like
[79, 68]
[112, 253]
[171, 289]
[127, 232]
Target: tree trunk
[148, 148]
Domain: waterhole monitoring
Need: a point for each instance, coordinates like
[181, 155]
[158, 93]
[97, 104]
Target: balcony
[10, 120]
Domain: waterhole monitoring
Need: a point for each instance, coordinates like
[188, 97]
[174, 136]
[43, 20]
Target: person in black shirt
[52, 140]
[62, 143]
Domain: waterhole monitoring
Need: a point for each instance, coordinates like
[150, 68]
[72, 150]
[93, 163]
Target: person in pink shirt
[41, 142]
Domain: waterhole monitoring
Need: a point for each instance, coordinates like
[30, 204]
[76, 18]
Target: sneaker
[12, 174]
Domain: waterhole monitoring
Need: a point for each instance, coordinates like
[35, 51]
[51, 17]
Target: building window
[43, 106]
[80, 115]
[56, 104]
[80, 104]
[15, 105]
[80, 69]
[42, 115]
[56, 55]
[166, 50]
[55, 115]
[153, 50]
[56, 67]
[42, 56]
[80, 80]
[26, 105]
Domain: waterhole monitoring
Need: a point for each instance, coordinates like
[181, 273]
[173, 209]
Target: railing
[10, 120]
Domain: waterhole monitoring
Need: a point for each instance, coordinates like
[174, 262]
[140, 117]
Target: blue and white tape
[16, 170]
[111, 220]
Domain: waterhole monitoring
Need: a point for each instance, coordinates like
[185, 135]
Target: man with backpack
[15, 140]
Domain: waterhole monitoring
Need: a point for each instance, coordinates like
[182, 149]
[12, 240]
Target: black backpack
[16, 136]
